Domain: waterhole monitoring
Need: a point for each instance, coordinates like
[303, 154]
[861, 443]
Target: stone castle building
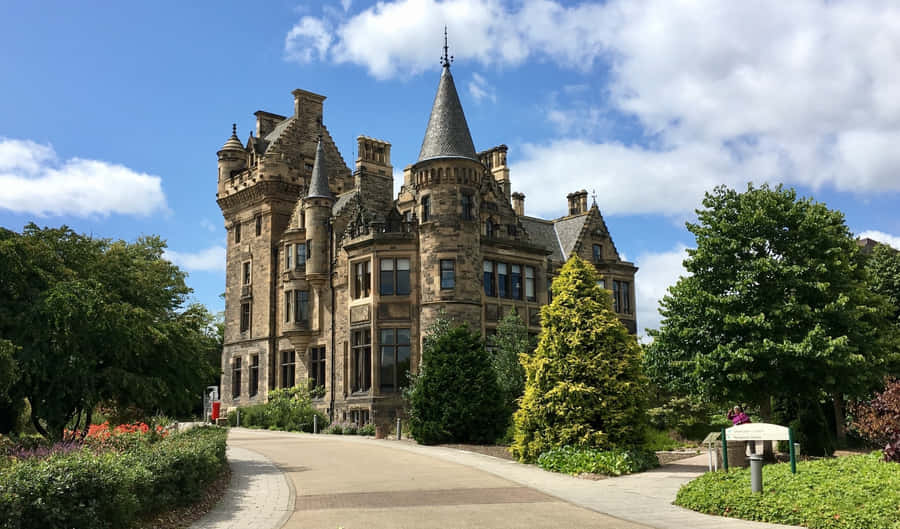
[331, 280]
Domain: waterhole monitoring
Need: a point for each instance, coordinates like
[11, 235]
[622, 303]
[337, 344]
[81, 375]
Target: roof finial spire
[234, 129]
[446, 59]
[594, 196]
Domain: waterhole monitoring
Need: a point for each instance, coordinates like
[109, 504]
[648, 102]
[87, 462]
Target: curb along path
[259, 495]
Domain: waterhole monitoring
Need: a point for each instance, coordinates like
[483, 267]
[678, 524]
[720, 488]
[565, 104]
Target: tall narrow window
[489, 228]
[502, 278]
[258, 225]
[301, 255]
[621, 297]
[362, 279]
[489, 278]
[361, 379]
[386, 278]
[246, 272]
[468, 207]
[317, 367]
[245, 316]
[301, 306]
[616, 305]
[288, 256]
[237, 231]
[426, 208]
[598, 253]
[288, 304]
[288, 369]
[254, 375]
[236, 377]
[516, 281]
[448, 273]
[394, 359]
[529, 283]
[308, 248]
[402, 277]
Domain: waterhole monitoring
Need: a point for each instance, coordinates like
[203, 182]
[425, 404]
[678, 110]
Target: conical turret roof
[318, 182]
[233, 143]
[447, 135]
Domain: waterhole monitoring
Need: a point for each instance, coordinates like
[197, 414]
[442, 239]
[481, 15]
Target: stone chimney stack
[577, 202]
[308, 106]
[374, 175]
[518, 203]
[265, 122]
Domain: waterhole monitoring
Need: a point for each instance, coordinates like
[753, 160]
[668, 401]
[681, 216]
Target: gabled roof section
[279, 129]
[569, 229]
[318, 182]
[447, 134]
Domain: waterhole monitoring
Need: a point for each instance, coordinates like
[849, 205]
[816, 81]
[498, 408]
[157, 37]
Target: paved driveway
[364, 484]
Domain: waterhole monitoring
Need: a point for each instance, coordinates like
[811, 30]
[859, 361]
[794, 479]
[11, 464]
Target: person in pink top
[738, 416]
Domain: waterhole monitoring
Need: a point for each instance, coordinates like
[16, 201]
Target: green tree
[455, 396]
[776, 306]
[883, 266]
[584, 385]
[99, 320]
[10, 403]
[510, 342]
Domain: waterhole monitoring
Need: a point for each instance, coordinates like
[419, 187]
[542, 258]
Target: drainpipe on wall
[331, 252]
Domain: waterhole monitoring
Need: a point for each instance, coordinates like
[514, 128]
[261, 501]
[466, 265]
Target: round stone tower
[448, 176]
[317, 212]
[232, 158]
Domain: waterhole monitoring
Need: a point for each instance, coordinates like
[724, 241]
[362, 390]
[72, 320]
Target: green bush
[288, 409]
[367, 429]
[584, 384]
[86, 489]
[856, 492]
[655, 440]
[455, 396]
[575, 460]
[335, 429]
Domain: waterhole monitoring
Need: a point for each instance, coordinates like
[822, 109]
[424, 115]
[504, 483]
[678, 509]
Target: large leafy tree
[454, 397]
[584, 384]
[98, 320]
[776, 306]
[883, 266]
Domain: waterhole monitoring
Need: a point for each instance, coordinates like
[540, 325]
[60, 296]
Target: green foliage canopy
[883, 266]
[584, 385]
[99, 320]
[776, 305]
[455, 396]
[508, 344]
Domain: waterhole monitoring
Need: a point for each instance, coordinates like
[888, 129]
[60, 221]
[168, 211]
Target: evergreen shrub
[455, 397]
[584, 384]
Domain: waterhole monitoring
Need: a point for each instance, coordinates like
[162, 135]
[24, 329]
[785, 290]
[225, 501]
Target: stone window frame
[466, 205]
[361, 360]
[393, 350]
[395, 274]
[258, 221]
[597, 252]
[426, 208]
[490, 228]
[530, 279]
[622, 297]
[236, 377]
[288, 256]
[246, 316]
[301, 306]
[237, 232]
[254, 375]
[300, 255]
[317, 365]
[361, 282]
[288, 368]
[247, 273]
[448, 281]
[488, 267]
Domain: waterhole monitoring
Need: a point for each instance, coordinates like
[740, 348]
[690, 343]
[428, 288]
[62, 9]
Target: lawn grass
[858, 492]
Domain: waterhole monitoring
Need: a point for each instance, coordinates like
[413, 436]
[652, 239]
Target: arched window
[489, 228]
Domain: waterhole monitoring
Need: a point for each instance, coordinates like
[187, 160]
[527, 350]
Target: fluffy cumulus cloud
[211, 259]
[882, 237]
[657, 272]
[35, 181]
[802, 92]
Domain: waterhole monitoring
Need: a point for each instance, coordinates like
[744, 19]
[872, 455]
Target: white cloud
[345, 4]
[882, 237]
[211, 259]
[657, 272]
[35, 181]
[801, 92]
[479, 89]
[205, 223]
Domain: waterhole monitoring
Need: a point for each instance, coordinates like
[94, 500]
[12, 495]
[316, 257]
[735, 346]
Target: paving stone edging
[259, 495]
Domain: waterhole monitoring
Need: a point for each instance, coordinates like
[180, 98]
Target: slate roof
[568, 229]
[318, 182]
[447, 134]
[342, 200]
[543, 234]
[276, 133]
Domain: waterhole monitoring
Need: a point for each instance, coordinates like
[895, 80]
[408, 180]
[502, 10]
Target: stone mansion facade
[331, 280]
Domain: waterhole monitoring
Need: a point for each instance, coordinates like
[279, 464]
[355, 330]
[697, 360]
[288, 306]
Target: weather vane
[446, 59]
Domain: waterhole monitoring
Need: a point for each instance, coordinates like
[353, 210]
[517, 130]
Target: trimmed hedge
[855, 492]
[289, 409]
[575, 460]
[110, 489]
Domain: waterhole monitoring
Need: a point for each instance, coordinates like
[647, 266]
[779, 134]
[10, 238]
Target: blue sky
[111, 114]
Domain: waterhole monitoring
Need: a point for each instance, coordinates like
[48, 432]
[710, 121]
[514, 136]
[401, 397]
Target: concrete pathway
[357, 482]
[259, 496]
